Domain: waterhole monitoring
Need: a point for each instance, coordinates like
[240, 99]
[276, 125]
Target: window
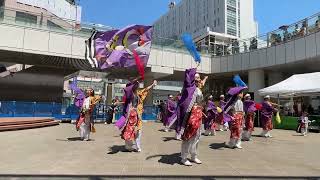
[53, 25]
[1, 9]
[232, 32]
[218, 21]
[26, 18]
[232, 3]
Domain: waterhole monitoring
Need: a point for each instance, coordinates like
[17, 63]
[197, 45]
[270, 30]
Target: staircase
[11, 124]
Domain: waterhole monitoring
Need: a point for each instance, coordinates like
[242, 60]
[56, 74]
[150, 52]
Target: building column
[256, 82]
[149, 99]
[108, 93]
[274, 78]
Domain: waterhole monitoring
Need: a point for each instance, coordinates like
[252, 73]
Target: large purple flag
[117, 48]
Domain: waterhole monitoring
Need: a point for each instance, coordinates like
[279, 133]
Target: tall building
[218, 27]
[59, 14]
[231, 17]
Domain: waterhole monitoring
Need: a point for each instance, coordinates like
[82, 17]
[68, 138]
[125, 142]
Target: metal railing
[279, 36]
[284, 34]
[60, 111]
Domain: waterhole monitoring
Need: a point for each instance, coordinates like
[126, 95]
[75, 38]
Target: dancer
[211, 113]
[130, 114]
[133, 109]
[220, 121]
[190, 116]
[266, 117]
[142, 95]
[234, 115]
[171, 113]
[85, 124]
[303, 124]
[249, 109]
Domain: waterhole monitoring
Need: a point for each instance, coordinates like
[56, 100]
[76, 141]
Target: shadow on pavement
[171, 159]
[103, 177]
[217, 145]
[165, 139]
[116, 149]
[73, 139]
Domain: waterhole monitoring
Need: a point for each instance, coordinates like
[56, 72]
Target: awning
[297, 85]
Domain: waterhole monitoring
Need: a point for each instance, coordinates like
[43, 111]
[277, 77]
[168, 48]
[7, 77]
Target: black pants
[109, 118]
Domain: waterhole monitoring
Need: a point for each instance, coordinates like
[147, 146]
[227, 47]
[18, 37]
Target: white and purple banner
[123, 48]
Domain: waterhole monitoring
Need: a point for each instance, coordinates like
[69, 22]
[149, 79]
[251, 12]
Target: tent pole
[279, 100]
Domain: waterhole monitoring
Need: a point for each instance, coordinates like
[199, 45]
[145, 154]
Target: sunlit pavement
[57, 151]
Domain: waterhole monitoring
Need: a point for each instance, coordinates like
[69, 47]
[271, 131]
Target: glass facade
[26, 18]
[232, 17]
[53, 25]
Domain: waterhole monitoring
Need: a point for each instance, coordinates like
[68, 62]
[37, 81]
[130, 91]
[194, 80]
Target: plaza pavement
[57, 151]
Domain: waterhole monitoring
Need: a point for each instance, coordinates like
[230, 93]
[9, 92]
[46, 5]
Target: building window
[218, 22]
[53, 25]
[232, 3]
[26, 18]
[1, 9]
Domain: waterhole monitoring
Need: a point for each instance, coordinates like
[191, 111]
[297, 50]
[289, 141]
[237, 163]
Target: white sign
[60, 8]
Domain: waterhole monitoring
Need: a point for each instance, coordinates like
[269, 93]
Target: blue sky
[270, 14]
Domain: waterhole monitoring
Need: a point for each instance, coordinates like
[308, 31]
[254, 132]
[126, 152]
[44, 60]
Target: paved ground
[56, 151]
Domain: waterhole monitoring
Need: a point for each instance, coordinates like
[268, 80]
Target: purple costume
[222, 103]
[80, 96]
[266, 116]
[249, 106]
[188, 97]
[128, 94]
[211, 113]
[171, 113]
[233, 93]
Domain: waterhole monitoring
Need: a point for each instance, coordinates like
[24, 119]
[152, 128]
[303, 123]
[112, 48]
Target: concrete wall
[169, 60]
[30, 40]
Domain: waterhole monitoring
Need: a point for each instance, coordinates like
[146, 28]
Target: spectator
[303, 30]
[318, 23]
[235, 47]
[286, 35]
[296, 30]
[310, 109]
[254, 44]
[245, 47]
[111, 110]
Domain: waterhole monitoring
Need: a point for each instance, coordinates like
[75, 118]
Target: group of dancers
[185, 114]
[188, 111]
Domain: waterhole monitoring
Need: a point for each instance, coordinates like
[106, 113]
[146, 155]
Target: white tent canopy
[296, 85]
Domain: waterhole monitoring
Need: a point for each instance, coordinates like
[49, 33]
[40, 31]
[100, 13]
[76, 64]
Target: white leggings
[191, 146]
[84, 131]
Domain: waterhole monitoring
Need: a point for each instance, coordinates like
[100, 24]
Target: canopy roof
[296, 85]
